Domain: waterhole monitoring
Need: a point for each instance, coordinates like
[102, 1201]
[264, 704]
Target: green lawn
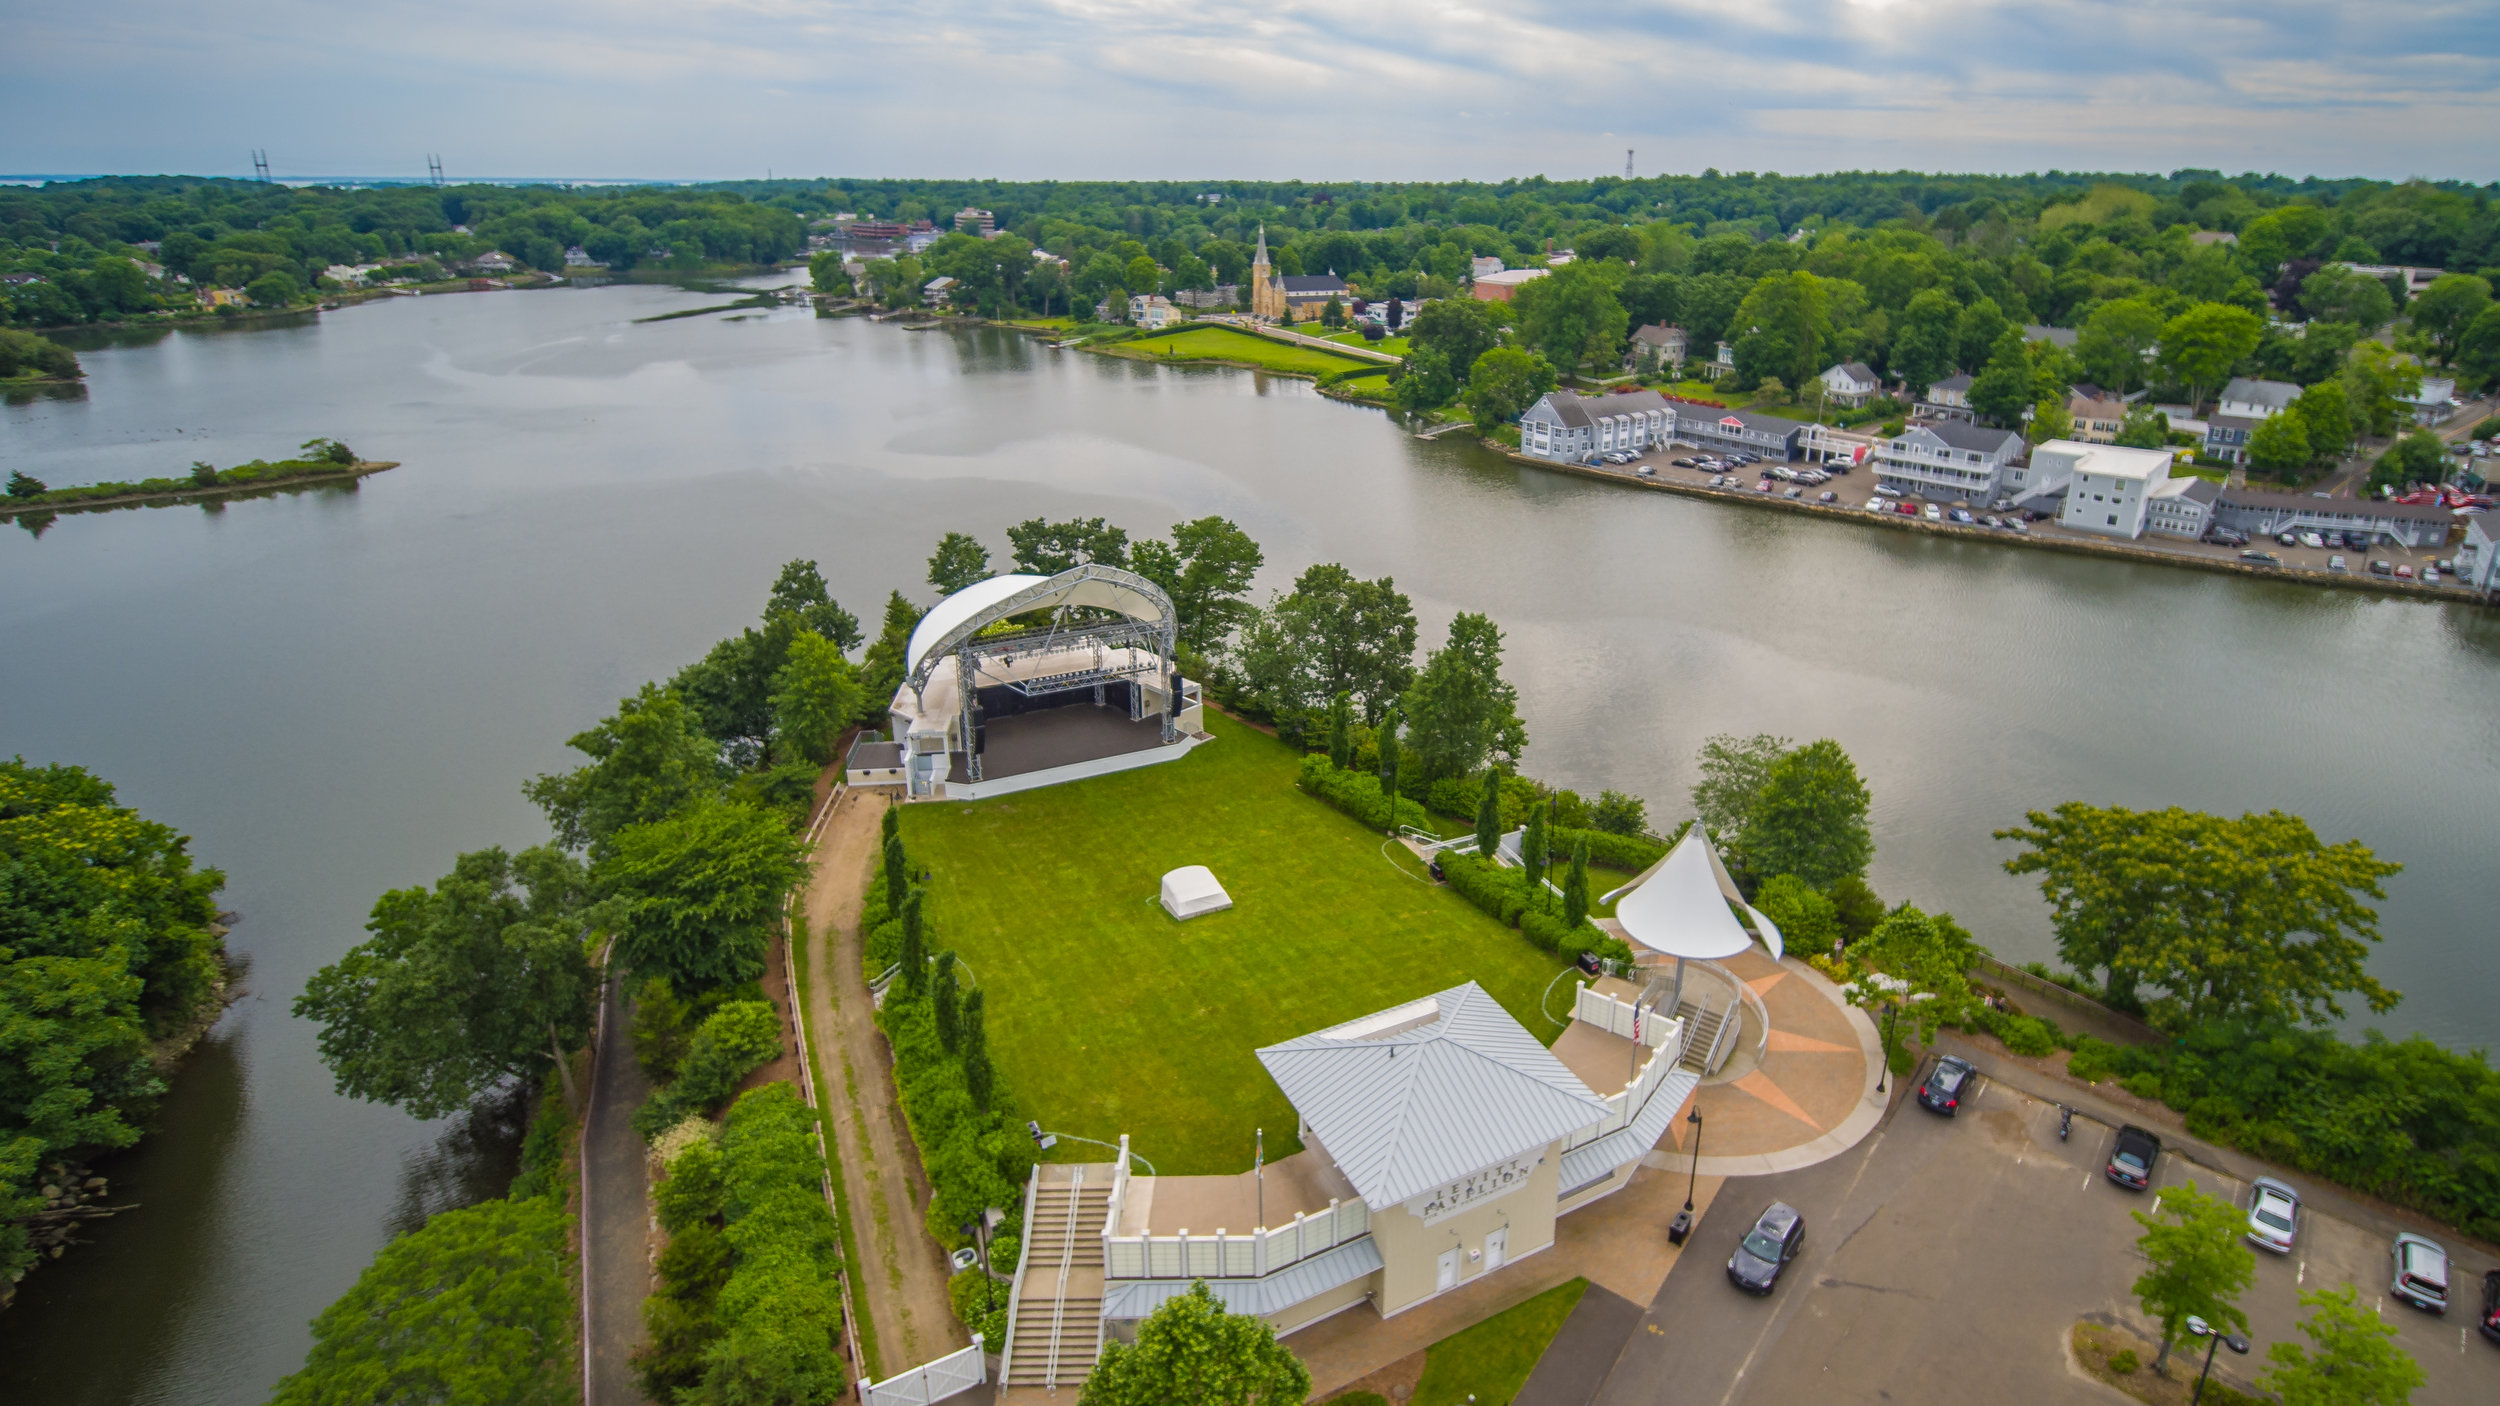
[1106, 1016]
[1225, 344]
[1488, 1363]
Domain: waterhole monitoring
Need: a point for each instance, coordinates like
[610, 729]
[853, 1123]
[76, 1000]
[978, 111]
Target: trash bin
[1588, 962]
[1680, 1227]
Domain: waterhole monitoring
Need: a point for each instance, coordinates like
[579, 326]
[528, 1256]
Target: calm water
[336, 692]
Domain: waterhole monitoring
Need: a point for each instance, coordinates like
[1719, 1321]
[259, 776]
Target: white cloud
[1254, 88]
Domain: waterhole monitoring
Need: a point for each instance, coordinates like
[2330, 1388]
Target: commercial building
[2108, 488]
[980, 222]
[1947, 460]
[1497, 286]
[2478, 560]
[1571, 428]
[2182, 507]
[2263, 514]
[1748, 430]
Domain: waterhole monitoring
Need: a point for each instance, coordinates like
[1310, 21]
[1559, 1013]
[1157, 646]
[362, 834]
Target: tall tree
[1978, 334]
[914, 957]
[1535, 852]
[959, 560]
[2251, 917]
[648, 758]
[1192, 1352]
[1503, 383]
[1732, 772]
[2352, 1358]
[800, 591]
[2196, 1266]
[1489, 815]
[2326, 415]
[702, 890]
[2446, 309]
[1575, 886]
[1392, 762]
[1048, 548]
[1809, 818]
[2003, 390]
[2279, 446]
[946, 1002]
[1460, 711]
[2116, 340]
[1459, 330]
[1793, 311]
[1332, 634]
[815, 697]
[481, 979]
[881, 669]
[1924, 960]
[1924, 348]
[980, 1076]
[1571, 315]
[475, 1305]
[2203, 344]
[1206, 570]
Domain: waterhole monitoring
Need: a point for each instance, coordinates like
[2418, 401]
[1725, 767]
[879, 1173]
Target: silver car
[2273, 1215]
[2421, 1271]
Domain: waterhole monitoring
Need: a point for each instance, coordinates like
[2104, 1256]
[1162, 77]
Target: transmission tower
[434, 169]
[260, 165]
[1627, 163]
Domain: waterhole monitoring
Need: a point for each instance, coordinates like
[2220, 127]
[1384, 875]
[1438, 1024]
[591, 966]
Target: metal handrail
[1067, 1258]
[1015, 1291]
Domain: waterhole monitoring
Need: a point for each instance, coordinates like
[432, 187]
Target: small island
[27, 359]
[322, 461]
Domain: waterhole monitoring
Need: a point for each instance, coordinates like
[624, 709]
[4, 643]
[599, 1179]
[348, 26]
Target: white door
[1496, 1245]
[1449, 1272]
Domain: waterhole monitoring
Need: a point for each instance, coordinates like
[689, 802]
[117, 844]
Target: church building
[1295, 297]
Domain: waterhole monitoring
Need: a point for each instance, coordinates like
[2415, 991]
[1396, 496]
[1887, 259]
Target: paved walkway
[1578, 1360]
[616, 1208]
[903, 1271]
[1811, 1096]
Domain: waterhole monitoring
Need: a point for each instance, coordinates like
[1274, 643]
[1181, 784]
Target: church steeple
[1258, 261]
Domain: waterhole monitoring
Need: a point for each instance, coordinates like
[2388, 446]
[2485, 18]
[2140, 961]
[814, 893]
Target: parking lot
[1947, 1259]
[1852, 488]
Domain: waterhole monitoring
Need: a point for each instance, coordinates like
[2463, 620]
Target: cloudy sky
[1185, 89]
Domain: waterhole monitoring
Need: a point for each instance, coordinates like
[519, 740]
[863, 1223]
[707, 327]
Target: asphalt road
[616, 1209]
[1947, 1259]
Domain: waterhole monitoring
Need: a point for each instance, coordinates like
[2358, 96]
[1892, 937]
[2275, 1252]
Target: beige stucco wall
[1317, 1307]
[1410, 1250]
[1614, 1182]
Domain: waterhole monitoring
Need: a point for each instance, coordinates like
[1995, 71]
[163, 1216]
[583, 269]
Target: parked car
[1764, 486]
[1686, 462]
[1906, 508]
[1942, 1093]
[2419, 1271]
[2381, 568]
[2446, 564]
[1776, 1236]
[1793, 492]
[2336, 563]
[2404, 571]
[2017, 524]
[2286, 539]
[1962, 515]
[2491, 1304]
[2312, 540]
[1991, 520]
[2131, 1158]
[2430, 576]
[2225, 537]
[1934, 513]
[1827, 496]
[2257, 558]
[1877, 505]
[2273, 1215]
[1647, 471]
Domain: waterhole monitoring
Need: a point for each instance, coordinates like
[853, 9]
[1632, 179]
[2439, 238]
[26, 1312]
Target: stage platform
[1063, 744]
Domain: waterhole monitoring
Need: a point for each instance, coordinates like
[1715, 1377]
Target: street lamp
[1884, 1056]
[979, 1228]
[1694, 1179]
[2214, 1337]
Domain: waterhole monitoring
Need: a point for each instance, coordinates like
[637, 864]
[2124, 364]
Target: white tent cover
[1680, 909]
[983, 601]
[1192, 890]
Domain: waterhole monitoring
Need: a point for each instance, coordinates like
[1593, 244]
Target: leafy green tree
[73, 1064]
[2279, 446]
[980, 1076]
[2326, 414]
[1570, 316]
[477, 1305]
[881, 669]
[815, 697]
[482, 979]
[1333, 633]
[1619, 814]
[958, 561]
[1141, 275]
[1978, 336]
[1575, 886]
[1807, 920]
[1923, 351]
[800, 591]
[2352, 1358]
[1503, 383]
[1341, 731]
[1458, 330]
[2287, 232]
[1048, 548]
[2375, 379]
[1192, 1352]
[1489, 815]
[2196, 1266]
[2337, 294]
[1535, 850]
[2004, 389]
[1921, 964]
[2420, 457]
[826, 275]
[648, 759]
[1460, 711]
[1733, 770]
[2201, 345]
[1856, 904]
[2478, 350]
[946, 1002]
[2144, 428]
[2445, 310]
[2252, 917]
[1607, 242]
[913, 959]
[25, 485]
[2050, 420]
[1809, 819]
[1424, 380]
[702, 890]
[735, 1040]
[1332, 316]
[275, 289]
[1206, 569]
[1794, 310]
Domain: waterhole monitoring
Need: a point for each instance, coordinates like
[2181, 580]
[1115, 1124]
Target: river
[336, 692]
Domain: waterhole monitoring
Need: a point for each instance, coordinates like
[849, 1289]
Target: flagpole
[1258, 1173]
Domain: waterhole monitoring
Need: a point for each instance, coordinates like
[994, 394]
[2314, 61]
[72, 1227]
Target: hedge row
[1357, 793]
[1503, 892]
[1630, 853]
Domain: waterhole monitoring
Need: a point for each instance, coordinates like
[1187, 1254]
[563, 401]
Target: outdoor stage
[1051, 745]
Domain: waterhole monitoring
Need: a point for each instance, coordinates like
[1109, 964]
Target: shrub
[2123, 1362]
[2030, 1036]
[1631, 853]
[2142, 1085]
[1455, 796]
[975, 1159]
[986, 1316]
[542, 1151]
[693, 1190]
[1358, 794]
[731, 1044]
[662, 1026]
[1487, 884]
[780, 1308]
[2093, 1059]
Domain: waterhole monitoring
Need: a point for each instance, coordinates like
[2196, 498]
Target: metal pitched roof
[1595, 1160]
[1273, 1293]
[1421, 1094]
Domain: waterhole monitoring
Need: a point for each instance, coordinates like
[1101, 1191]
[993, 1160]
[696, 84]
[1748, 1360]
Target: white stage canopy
[960, 615]
[1191, 891]
[1680, 907]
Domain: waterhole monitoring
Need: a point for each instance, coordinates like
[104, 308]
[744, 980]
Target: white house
[2434, 402]
[1573, 429]
[2182, 507]
[938, 290]
[1852, 384]
[1152, 310]
[1663, 340]
[1947, 460]
[2109, 488]
[2478, 561]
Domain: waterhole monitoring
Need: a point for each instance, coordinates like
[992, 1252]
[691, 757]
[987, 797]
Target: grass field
[1225, 344]
[1488, 1363]
[1109, 1017]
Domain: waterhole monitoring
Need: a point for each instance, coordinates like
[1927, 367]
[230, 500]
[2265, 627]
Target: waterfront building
[2096, 415]
[2108, 487]
[2182, 507]
[1152, 310]
[2259, 513]
[1947, 460]
[2478, 560]
[2244, 404]
[1297, 297]
[1749, 430]
[1574, 429]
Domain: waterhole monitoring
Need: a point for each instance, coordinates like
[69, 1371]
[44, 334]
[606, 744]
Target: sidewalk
[1811, 1097]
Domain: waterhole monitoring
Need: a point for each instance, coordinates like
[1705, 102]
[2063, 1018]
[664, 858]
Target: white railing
[1015, 1291]
[1223, 1255]
[956, 1372]
[1662, 1034]
[1613, 1015]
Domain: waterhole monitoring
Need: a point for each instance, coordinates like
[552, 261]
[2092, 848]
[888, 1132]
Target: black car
[2491, 1304]
[1767, 1248]
[1946, 1083]
[2131, 1159]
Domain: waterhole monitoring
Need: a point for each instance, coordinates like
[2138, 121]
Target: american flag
[1636, 1022]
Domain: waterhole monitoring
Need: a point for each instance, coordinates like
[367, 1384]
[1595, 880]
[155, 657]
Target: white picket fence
[935, 1381]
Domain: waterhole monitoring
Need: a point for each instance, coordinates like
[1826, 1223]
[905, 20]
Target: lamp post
[1694, 1179]
[1883, 1056]
[979, 1227]
[2214, 1337]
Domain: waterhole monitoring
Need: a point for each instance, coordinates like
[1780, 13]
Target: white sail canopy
[1679, 907]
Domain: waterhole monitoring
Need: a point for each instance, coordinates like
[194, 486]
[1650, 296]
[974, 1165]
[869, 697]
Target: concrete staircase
[1702, 1029]
[1056, 1314]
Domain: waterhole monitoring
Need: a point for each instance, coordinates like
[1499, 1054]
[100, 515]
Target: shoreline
[19, 508]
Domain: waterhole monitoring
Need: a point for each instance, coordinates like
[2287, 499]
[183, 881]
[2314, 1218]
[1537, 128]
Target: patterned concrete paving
[1810, 1095]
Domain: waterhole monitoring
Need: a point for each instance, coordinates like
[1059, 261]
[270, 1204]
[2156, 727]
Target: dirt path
[904, 1293]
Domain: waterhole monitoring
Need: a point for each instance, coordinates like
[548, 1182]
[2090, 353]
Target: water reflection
[474, 1159]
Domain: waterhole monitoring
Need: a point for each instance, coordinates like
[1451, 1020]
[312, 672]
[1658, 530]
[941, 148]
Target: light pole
[1694, 1179]
[1884, 1055]
[979, 1227]
[2214, 1337]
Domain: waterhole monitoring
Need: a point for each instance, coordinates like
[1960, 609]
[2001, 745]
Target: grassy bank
[242, 480]
[1226, 346]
